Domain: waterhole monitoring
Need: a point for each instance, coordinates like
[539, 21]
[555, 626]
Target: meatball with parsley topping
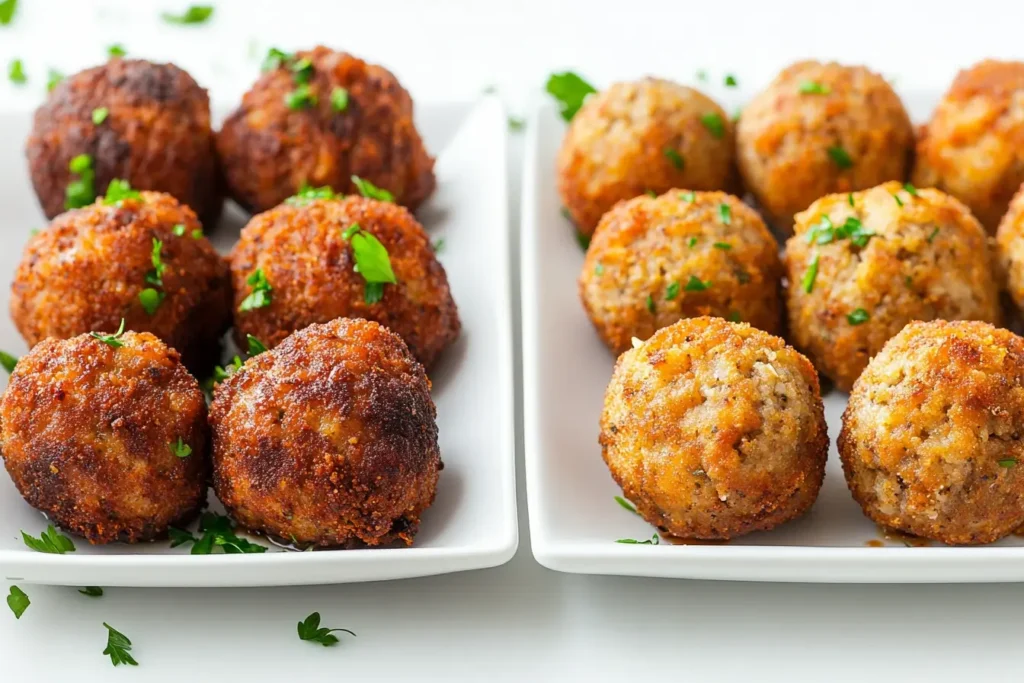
[318, 118]
[318, 257]
[329, 439]
[864, 264]
[107, 435]
[684, 254]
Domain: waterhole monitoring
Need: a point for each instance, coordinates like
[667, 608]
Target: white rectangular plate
[574, 520]
[472, 523]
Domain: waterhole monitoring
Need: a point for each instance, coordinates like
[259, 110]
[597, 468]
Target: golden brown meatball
[329, 439]
[973, 147]
[684, 254]
[1010, 247]
[715, 429]
[302, 251]
[145, 123]
[108, 439]
[89, 268]
[931, 439]
[647, 135]
[821, 128]
[862, 265]
[318, 118]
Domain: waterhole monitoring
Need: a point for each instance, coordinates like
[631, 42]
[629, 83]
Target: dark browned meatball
[319, 118]
[90, 268]
[303, 254]
[108, 439]
[330, 439]
[146, 123]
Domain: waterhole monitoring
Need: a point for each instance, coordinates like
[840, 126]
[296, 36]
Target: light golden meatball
[862, 265]
[931, 438]
[1010, 249]
[821, 128]
[109, 440]
[684, 254]
[648, 135]
[715, 429]
[973, 147]
[330, 439]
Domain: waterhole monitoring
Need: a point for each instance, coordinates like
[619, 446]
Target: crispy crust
[329, 439]
[156, 135]
[642, 246]
[310, 267]
[926, 427]
[715, 429]
[268, 151]
[1010, 250]
[86, 436]
[85, 271]
[932, 239]
[615, 147]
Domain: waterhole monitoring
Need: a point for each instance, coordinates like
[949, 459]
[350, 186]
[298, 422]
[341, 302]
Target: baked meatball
[931, 438]
[94, 266]
[649, 135]
[821, 128]
[973, 147]
[684, 254]
[715, 429]
[145, 123]
[1010, 249]
[317, 118]
[109, 439]
[330, 439]
[304, 253]
[862, 265]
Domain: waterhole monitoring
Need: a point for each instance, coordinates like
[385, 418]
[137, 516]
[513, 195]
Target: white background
[521, 622]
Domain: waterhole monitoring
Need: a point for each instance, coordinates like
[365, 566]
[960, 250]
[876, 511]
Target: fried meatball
[973, 147]
[715, 429]
[319, 118]
[684, 254]
[821, 128]
[88, 269]
[931, 438]
[862, 265]
[145, 123]
[308, 261]
[647, 135]
[330, 439]
[1010, 249]
[108, 439]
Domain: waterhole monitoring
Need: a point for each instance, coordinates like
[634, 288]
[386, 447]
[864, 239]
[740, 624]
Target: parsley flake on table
[309, 629]
[725, 213]
[195, 14]
[7, 10]
[16, 72]
[256, 347]
[570, 90]
[80, 192]
[730, 81]
[218, 532]
[371, 191]
[50, 541]
[654, 540]
[180, 449]
[99, 115]
[302, 97]
[118, 647]
[702, 75]
[713, 122]
[857, 316]
[7, 361]
[516, 124]
[92, 591]
[814, 88]
[53, 79]
[840, 157]
[672, 291]
[119, 190]
[695, 284]
[339, 100]
[112, 340]
[18, 601]
[675, 157]
[372, 262]
[259, 294]
[625, 504]
[810, 275]
[116, 50]
[308, 193]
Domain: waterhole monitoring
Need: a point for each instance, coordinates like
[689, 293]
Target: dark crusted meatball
[330, 439]
[108, 439]
[319, 118]
[302, 250]
[88, 269]
[146, 123]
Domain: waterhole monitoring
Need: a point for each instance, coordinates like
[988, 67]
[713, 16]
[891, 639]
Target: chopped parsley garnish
[371, 191]
[702, 75]
[743, 276]
[437, 246]
[151, 299]
[814, 88]
[516, 124]
[582, 240]
[713, 122]
[80, 192]
[931, 237]
[116, 50]
[118, 647]
[53, 79]
[810, 275]
[849, 199]
[675, 157]
[119, 190]
[309, 629]
[256, 347]
[7, 9]
[18, 601]
[92, 591]
[179, 229]
[302, 70]
[824, 231]
[339, 100]
[260, 292]
[911, 190]
[111, 340]
[155, 275]
[899, 202]
[730, 81]
[220, 373]
[197, 233]
[691, 242]
[274, 59]
[651, 193]
[725, 213]
[649, 302]
[654, 540]
[372, 262]
[857, 316]
[306, 194]
[16, 72]
[7, 361]
[840, 157]
[1008, 462]
[724, 246]
[50, 541]
[672, 291]
[99, 115]
[195, 14]
[734, 317]
[301, 98]
[687, 196]
[599, 269]
[180, 448]
[570, 90]
[626, 504]
[218, 532]
[695, 284]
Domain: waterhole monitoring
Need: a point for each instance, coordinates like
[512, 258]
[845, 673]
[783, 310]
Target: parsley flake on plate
[7, 361]
[437, 245]
[7, 10]
[18, 601]
[118, 647]
[675, 157]
[625, 504]
[180, 449]
[16, 72]
[371, 191]
[99, 115]
[713, 122]
[516, 124]
[570, 90]
[111, 340]
[309, 629]
[730, 81]
[217, 532]
[92, 591]
[50, 541]
[259, 294]
[654, 540]
[372, 262]
[195, 14]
